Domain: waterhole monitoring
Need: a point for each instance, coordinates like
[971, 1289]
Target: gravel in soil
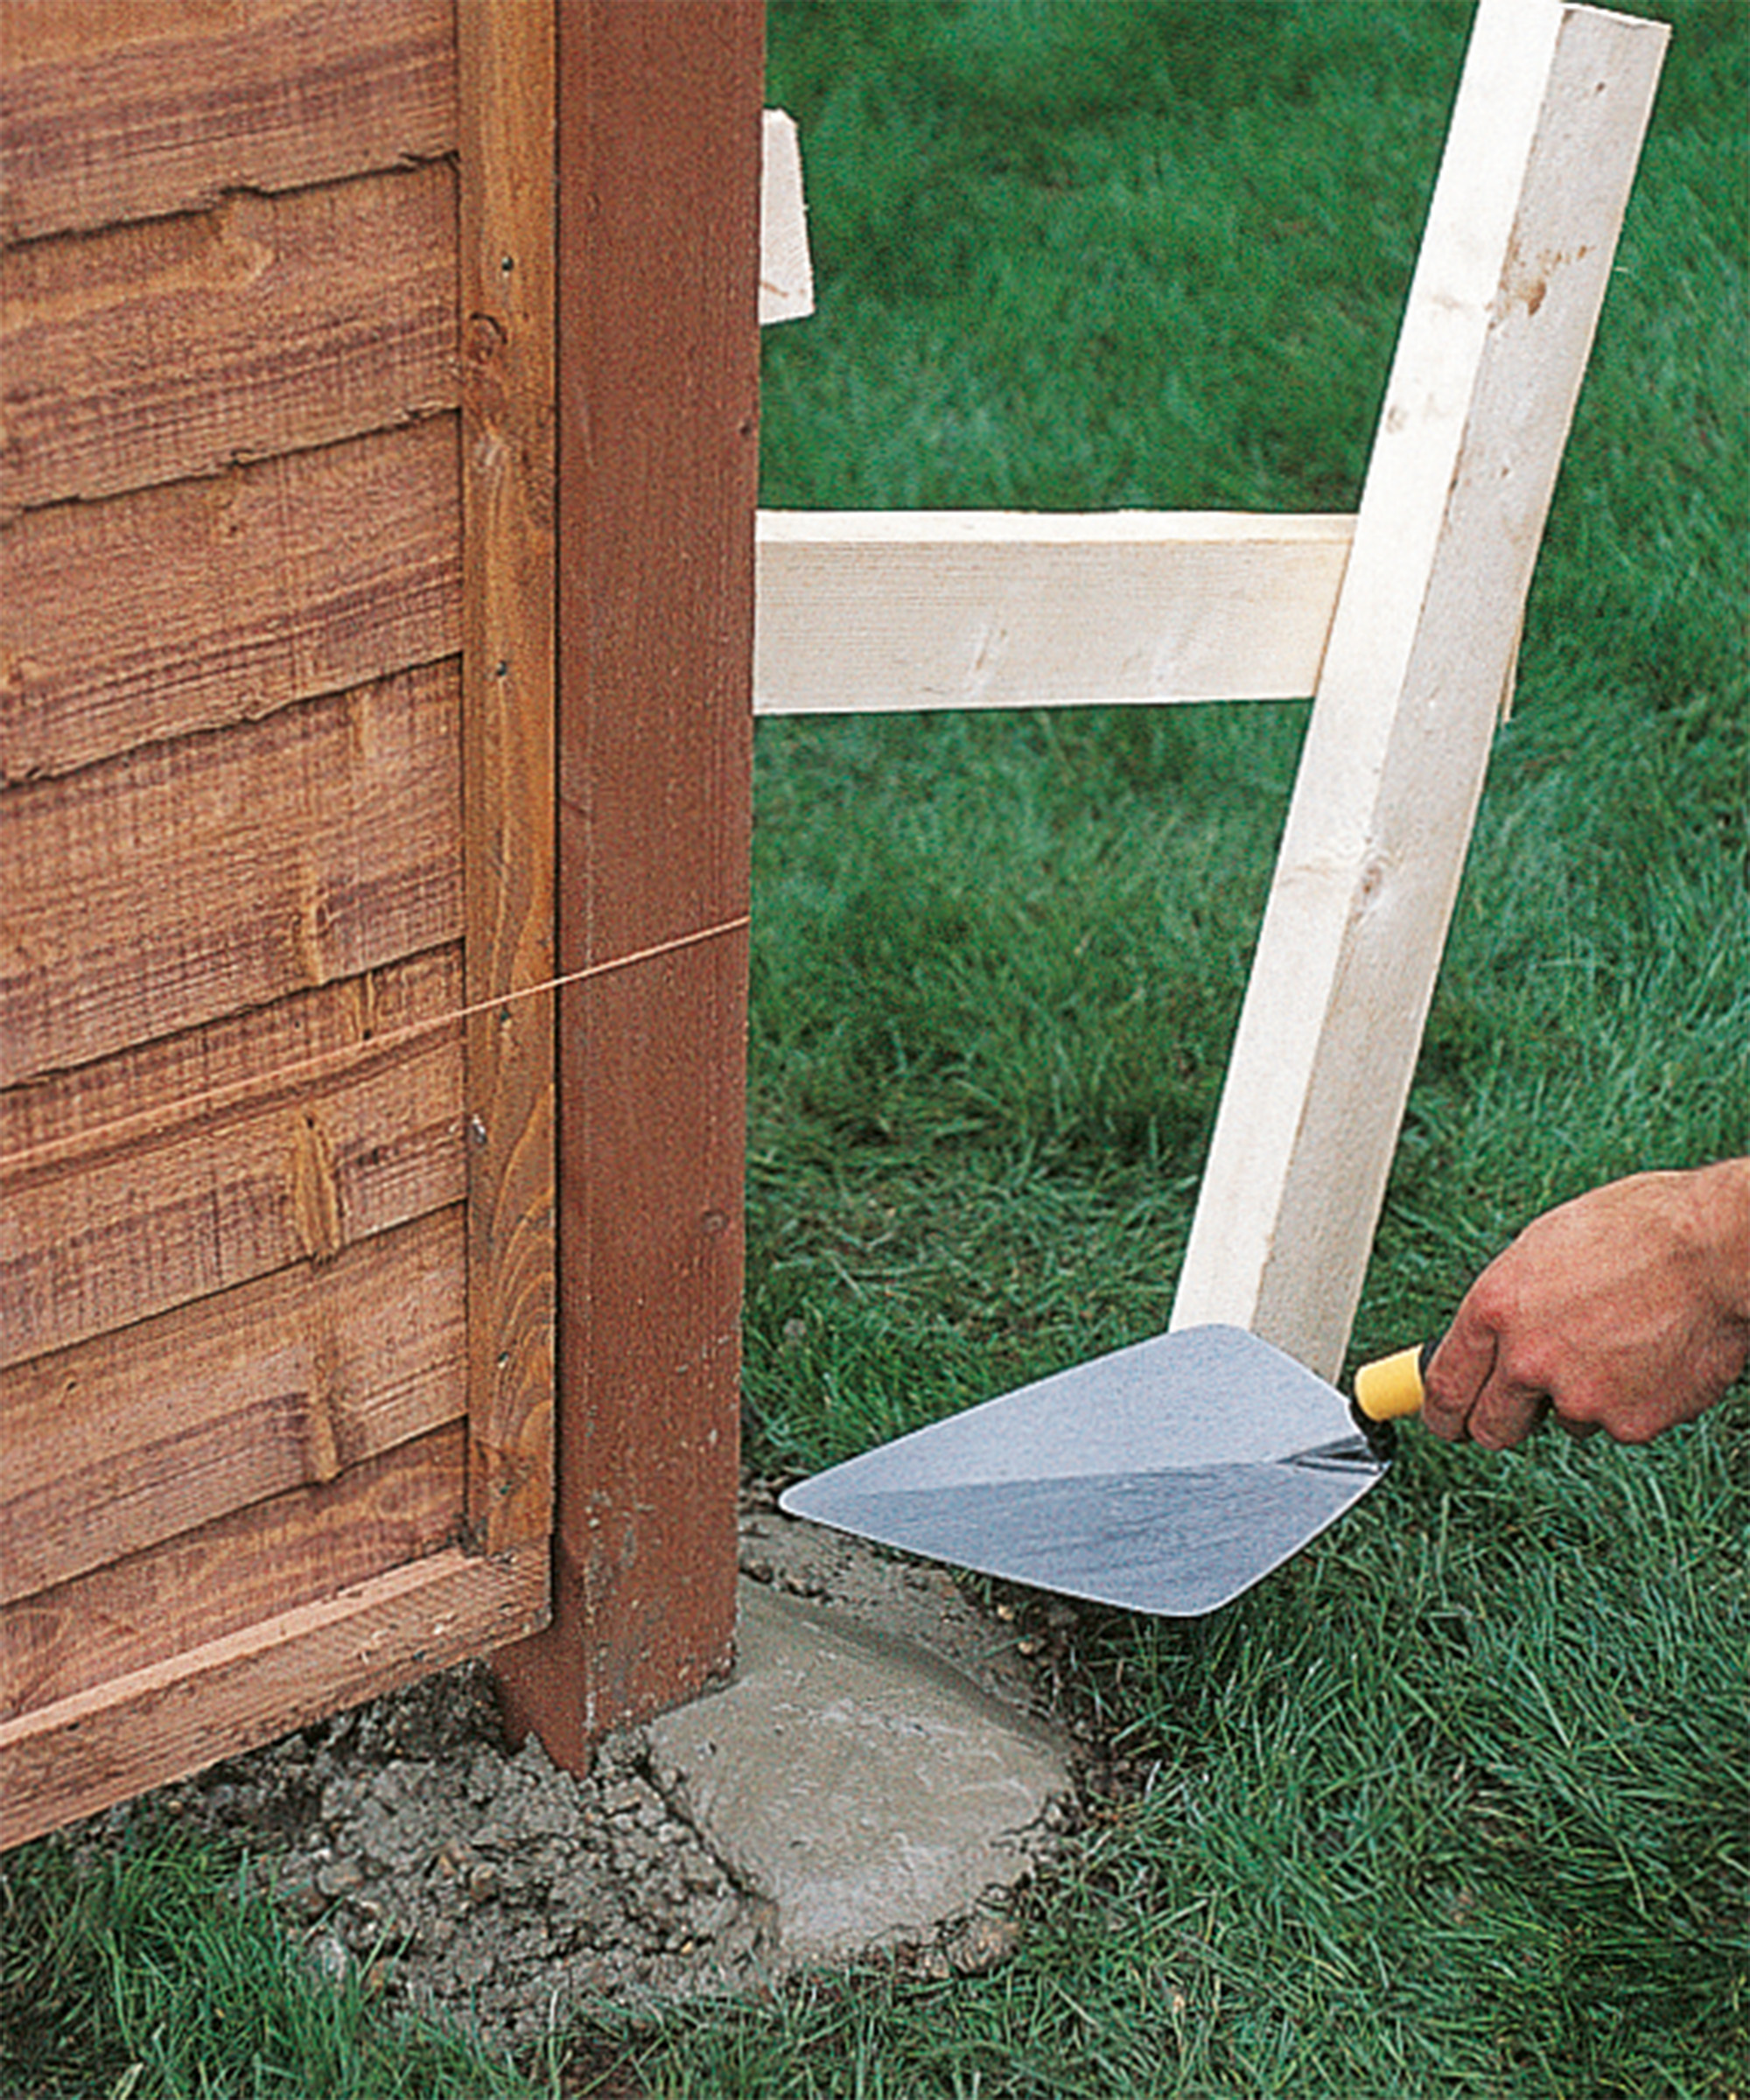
[477, 1882]
[470, 1878]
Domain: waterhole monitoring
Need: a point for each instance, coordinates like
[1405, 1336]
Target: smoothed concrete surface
[863, 1785]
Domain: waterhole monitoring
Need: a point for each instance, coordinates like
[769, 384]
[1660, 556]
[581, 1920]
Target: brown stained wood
[181, 347]
[113, 110]
[506, 56]
[645, 1566]
[98, 1747]
[154, 615]
[288, 1166]
[177, 1085]
[193, 879]
[293, 1550]
[659, 180]
[114, 1445]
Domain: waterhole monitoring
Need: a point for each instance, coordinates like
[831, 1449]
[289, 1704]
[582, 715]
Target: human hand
[1626, 1310]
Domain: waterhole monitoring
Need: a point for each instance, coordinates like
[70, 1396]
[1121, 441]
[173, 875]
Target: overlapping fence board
[120, 1237]
[118, 110]
[245, 1567]
[267, 324]
[163, 1090]
[223, 599]
[121, 1442]
[187, 881]
[202, 1704]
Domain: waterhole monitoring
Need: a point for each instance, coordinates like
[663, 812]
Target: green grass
[148, 1967]
[1457, 1803]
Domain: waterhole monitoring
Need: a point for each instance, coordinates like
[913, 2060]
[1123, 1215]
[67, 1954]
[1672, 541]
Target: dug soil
[409, 1842]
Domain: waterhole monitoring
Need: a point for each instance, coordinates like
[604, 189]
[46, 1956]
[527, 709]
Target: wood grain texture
[115, 111]
[174, 1086]
[153, 615]
[175, 1717]
[879, 611]
[182, 347]
[118, 1444]
[787, 272]
[190, 880]
[506, 57]
[659, 189]
[1538, 165]
[292, 1550]
[108, 1222]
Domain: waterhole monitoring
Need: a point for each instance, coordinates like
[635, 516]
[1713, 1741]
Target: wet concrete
[864, 1787]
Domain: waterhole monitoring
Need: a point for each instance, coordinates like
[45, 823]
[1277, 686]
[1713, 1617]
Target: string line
[261, 1088]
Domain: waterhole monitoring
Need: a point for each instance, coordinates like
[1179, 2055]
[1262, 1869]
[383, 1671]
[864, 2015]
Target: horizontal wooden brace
[890, 611]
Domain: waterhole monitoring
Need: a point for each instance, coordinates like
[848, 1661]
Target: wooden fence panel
[277, 1247]
[186, 345]
[226, 598]
[146, 107]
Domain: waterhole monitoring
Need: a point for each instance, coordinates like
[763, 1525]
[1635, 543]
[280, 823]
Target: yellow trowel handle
[1392, 1388]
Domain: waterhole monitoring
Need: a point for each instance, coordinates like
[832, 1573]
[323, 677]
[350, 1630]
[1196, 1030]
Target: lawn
[1460, 1803]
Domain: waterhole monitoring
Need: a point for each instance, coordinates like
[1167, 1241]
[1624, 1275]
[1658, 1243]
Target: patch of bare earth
[470, 1878]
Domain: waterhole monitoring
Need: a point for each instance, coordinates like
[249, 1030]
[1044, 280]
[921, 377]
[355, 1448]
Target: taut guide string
[262, 1086]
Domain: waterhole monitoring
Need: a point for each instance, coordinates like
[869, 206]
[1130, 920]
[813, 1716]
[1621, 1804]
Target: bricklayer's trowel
[1165, 1478]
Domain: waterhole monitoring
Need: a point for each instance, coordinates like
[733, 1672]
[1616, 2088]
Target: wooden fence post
[1538, 165]
[659, 147]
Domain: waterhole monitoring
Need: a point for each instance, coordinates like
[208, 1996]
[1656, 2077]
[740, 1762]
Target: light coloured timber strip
[138, 109]
[152, 615]
[287, 1176]
[299, 1546]
[193, 879]
[888, 611]
[1536, 176]
[787, 273]
[97, 1747]
[182, 346]
[120, 1443]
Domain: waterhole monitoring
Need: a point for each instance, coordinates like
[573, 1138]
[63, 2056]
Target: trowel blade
[1165, 1478]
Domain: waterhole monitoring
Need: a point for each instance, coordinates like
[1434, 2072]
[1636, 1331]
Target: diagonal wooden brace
[1539, 161]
